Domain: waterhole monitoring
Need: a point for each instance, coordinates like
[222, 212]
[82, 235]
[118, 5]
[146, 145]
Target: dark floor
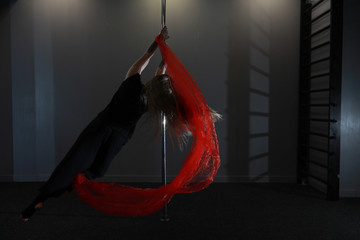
[223, 211]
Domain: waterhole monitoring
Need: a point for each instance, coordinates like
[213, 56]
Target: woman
[103, 138]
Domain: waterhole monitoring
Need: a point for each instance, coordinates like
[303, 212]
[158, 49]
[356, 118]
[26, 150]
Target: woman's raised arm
[143, 61]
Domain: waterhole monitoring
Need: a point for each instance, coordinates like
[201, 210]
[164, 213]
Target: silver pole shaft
[163, 13]
[165, 217]
[163, 119]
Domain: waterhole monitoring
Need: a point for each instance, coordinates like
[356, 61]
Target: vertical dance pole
[163, 13]
[165, 217]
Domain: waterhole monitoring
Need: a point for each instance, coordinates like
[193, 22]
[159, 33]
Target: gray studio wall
[262, 90]
[350, 114]
[68, 57]
[6, 163]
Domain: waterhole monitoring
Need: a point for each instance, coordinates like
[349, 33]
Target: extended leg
[106, 154]
[78, 159]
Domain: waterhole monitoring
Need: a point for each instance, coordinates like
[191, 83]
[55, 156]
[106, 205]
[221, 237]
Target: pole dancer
[176, 96]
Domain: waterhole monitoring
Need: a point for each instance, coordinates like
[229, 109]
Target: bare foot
[38, 206]
[23, 218]
[27, 213]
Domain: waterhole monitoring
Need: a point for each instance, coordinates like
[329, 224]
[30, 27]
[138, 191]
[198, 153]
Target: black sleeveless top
[126, 107]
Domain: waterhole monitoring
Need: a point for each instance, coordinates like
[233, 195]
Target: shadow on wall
[249, 92]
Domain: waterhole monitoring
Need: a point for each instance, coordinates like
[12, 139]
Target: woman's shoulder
[132, 80]
[136, 76]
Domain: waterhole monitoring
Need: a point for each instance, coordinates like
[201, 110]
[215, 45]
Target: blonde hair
[161, 100]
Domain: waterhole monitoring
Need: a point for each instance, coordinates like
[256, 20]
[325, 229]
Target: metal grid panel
[320, 95]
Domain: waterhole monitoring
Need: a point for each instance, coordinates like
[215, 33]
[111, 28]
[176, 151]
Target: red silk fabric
[198, 169]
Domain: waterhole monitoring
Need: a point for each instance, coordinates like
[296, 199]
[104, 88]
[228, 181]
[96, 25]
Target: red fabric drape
[198, 169]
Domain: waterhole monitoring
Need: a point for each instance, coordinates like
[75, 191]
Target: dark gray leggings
[91, 154]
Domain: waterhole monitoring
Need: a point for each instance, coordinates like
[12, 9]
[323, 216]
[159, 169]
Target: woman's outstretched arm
[143, 61]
